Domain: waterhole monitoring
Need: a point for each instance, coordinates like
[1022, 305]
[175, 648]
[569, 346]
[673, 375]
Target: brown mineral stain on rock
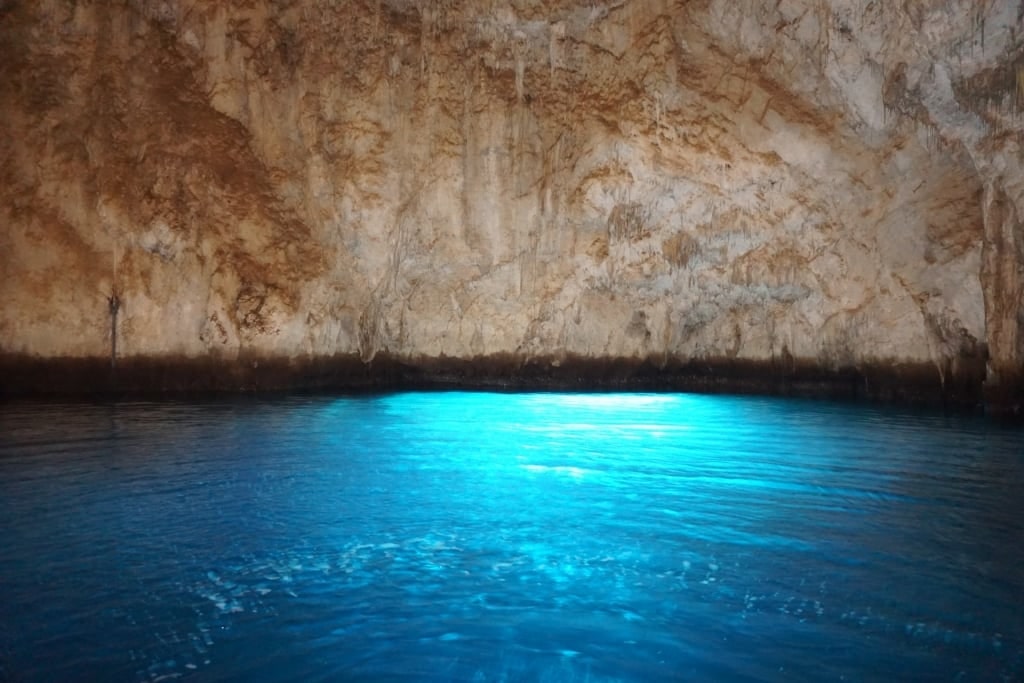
[422, 181]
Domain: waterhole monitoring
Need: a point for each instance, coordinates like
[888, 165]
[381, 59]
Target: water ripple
[479, 537]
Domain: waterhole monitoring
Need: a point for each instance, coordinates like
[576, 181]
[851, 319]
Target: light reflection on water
[501, 537]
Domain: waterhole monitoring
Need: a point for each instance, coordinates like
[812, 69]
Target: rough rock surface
[826, 183]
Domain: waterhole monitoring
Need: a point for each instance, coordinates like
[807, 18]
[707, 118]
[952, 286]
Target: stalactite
[657, 119]
[113, 305]
[979, 10]
[824, 36]
[426, 36]
[369, 330]
[556, 35]
[1019, 103]
[519, 50]
[114, 301]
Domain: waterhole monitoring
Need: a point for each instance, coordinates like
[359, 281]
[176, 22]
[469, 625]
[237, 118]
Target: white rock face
[835, 181]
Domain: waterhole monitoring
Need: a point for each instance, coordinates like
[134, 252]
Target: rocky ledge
[960, 390]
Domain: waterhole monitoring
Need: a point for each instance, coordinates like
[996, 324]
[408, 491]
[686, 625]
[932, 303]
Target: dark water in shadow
[509, 537]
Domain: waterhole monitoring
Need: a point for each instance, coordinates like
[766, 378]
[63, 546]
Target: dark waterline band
[961, 388]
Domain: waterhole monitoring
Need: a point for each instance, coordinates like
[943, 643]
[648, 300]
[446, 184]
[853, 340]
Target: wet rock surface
[906, 383]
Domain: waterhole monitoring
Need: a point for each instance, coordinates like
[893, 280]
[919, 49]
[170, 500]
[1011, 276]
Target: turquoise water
[508, 537]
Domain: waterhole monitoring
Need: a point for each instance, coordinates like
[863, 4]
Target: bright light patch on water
[574, 472]
[509, 537]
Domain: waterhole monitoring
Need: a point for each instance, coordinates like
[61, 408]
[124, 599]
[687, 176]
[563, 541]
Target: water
[508, 537]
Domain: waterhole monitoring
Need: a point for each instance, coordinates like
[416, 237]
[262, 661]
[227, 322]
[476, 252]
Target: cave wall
[833, 181]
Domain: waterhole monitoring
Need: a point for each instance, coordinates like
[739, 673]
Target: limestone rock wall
[838, 181]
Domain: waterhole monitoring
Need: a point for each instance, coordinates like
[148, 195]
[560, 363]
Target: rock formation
[824, 184]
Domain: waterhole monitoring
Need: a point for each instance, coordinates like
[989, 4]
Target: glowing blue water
[488, 537]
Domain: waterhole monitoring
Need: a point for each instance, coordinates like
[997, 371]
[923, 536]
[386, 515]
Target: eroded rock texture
[830, 182]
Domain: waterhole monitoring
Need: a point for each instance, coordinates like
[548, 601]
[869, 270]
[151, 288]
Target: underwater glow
[509, 537]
